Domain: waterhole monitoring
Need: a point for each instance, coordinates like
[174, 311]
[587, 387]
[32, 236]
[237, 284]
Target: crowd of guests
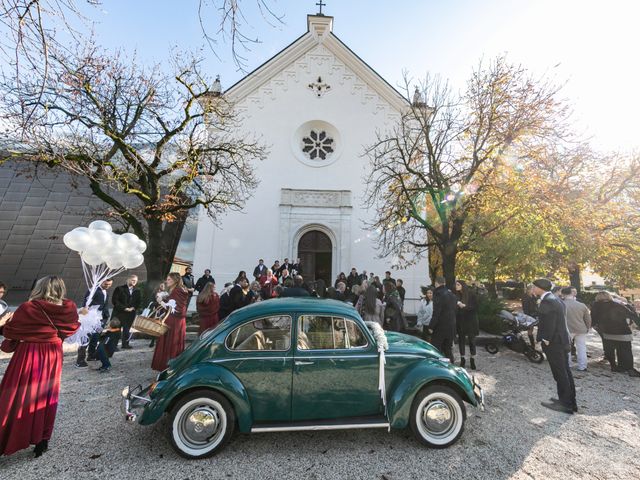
[444, 316]
[35, 331]
[610, 316]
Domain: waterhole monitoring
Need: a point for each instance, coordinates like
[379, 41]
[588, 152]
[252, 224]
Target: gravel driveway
[514, 438]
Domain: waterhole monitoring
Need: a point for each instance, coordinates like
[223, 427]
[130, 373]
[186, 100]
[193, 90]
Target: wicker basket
[153, 324]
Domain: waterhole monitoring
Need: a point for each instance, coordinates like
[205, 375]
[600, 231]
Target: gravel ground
[514, 438]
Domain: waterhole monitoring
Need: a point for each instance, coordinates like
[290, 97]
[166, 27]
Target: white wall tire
[437, 416]
[201, 423]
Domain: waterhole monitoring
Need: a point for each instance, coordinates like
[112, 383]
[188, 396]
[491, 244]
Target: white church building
[316, 105]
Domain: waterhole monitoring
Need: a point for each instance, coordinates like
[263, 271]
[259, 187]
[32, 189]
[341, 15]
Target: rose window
[317, 145]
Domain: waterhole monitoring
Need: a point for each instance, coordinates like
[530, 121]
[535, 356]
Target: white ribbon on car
[381, 341]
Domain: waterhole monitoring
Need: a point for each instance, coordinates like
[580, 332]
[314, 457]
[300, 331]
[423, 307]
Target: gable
[316, 55]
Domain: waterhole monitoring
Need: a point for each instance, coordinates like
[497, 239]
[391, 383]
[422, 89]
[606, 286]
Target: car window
[269, 333]
[318, 332]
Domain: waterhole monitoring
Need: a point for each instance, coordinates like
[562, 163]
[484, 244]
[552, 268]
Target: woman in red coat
[31, 384]
[171, 344]
[208, 304]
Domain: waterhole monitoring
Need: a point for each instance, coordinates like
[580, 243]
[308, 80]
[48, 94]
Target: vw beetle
[303, 364]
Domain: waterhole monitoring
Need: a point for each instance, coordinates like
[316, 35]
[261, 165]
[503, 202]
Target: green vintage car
[303, 364]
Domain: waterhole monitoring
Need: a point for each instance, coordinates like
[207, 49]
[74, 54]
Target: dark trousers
[444, 343]
[90, 349]
[472, 343]
[104, 351]
[622, 350]
[558, 358]
[126, 330]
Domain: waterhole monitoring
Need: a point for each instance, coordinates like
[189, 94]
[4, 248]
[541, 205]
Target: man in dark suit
[285, 266]
[443, 320]
[126, 301]
[203, 280]
[260, 270]
[189, 283]
[99, 299]
[554, 337]
[353, 278]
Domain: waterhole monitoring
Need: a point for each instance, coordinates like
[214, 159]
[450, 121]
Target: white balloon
[77, 240]
[91, 257]
[128, 242]
[101, 239]
[142, 246]
[133, 261]
[100, 225]
[114, 262]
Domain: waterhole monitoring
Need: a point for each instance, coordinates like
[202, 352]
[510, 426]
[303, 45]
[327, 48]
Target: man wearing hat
[554, 337]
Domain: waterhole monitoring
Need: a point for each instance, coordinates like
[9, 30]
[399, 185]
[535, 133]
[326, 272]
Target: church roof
[319, 31]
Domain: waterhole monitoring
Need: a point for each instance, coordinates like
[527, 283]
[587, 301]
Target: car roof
[293, 304]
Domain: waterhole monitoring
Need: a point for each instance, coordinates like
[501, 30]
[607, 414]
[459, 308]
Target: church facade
[317, 106]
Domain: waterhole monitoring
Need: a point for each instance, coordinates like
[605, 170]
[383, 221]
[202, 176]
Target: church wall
[275, 112]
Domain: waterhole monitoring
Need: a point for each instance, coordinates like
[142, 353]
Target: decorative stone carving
[319, 87]
[316, 198]
[327, 71]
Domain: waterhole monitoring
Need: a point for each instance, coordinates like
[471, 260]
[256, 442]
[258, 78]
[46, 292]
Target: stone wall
[37, 207]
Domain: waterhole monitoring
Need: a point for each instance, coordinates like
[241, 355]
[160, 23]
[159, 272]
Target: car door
[335, 373]
[260, 355]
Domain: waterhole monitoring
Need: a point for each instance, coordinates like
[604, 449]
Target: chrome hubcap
[200, 425]
[438, 417]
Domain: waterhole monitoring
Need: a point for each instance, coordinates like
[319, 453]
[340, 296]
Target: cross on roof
[320, 4]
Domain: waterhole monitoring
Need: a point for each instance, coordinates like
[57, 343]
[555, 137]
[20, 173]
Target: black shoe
[41, 447]
[125, 347]
[104, 369]
[82, 364]
[558, 407]
[463, 362]
[633, 373]
[615, 368]
[473, 363]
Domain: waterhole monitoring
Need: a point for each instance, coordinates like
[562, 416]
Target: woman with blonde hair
[31, 384]
[172, 343]
[208, 304]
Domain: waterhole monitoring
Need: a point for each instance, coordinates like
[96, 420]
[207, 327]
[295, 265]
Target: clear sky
[592, 45]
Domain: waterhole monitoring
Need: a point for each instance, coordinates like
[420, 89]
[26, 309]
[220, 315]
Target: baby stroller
[513, 338]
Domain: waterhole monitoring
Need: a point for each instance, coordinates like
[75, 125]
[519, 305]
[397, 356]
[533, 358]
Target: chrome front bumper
[478, 393]
[133, 401]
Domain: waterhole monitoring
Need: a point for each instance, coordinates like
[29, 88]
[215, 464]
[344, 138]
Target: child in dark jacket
[107, 345]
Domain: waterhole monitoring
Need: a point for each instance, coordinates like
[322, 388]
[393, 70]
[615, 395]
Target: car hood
[402, 343]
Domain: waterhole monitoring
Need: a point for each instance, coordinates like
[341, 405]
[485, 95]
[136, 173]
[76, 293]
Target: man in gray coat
[578, 324]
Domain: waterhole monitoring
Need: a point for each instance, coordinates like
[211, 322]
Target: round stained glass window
[316, 143]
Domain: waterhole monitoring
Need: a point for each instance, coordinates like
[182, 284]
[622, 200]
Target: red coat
[31, 384]
[208, 313]
[172, 343]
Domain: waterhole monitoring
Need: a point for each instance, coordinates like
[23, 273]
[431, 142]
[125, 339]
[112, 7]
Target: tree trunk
[449, 253]
[435, 263]
[162, 244]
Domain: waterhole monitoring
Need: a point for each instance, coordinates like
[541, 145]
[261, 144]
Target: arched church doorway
[314, 250]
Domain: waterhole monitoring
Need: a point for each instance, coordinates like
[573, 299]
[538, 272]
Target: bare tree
[428, 174]
[170, 144]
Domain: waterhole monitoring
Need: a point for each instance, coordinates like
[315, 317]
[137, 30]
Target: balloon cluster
[98, 245]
